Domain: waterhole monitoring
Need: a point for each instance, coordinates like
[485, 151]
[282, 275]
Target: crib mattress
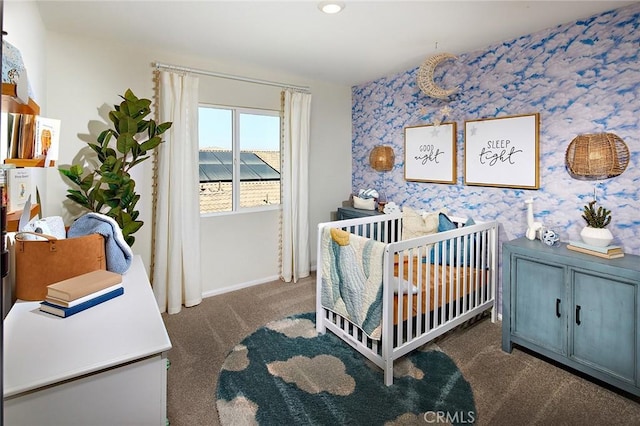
[445, 283]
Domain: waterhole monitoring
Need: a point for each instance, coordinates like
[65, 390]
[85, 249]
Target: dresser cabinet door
[538, 297]
[604, 324]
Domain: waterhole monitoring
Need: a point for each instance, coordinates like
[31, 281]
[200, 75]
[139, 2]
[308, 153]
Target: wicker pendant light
[596, 156]
[382, 158]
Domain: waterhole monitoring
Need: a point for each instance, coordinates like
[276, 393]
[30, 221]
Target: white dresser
[103, 366]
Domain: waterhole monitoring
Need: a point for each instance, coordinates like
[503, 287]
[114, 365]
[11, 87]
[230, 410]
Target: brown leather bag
[40, 263]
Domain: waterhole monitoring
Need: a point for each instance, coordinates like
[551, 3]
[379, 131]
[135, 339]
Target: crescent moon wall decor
[425, 77]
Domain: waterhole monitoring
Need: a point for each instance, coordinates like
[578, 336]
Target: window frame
[236, 111]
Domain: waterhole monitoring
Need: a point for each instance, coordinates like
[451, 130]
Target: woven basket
[596, 156]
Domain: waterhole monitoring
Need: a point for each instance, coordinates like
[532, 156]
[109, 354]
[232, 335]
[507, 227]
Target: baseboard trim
[240, 286]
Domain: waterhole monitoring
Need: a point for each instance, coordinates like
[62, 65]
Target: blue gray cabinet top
[627, 266]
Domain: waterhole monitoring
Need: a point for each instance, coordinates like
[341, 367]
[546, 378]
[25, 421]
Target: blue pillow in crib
[446, 224]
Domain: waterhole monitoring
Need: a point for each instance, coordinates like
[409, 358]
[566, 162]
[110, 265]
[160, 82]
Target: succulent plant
[599, 218]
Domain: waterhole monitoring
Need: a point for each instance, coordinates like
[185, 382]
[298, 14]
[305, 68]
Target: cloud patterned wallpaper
[582, 77]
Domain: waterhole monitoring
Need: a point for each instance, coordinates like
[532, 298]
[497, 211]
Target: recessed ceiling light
[331, 7]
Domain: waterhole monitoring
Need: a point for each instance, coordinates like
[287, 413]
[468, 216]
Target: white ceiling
[366, 41]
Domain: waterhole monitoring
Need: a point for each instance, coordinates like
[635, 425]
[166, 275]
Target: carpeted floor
[509, 389]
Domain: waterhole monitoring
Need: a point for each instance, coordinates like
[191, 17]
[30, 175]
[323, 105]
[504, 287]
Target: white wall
[26, 32]
[84, 78]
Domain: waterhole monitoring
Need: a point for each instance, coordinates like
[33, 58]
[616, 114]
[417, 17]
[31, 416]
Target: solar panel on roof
[217, 166]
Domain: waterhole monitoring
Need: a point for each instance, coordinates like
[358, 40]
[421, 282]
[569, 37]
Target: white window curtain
[295, 185]
[176, 267]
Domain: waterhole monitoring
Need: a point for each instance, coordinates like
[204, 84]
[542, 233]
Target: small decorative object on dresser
[596, 233]
[366, 199]
[364, 203]
[391, 207]
[533, 228]
[549, 236]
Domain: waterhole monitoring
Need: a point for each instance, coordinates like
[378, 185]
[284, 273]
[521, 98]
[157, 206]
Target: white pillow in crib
[418, 224]
[405, 287]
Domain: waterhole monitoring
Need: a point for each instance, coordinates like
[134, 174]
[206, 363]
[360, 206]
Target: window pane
[215, 130]
[257, 134]
[259, 137]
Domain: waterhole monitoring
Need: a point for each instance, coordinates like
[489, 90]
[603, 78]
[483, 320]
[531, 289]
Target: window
[239, 159]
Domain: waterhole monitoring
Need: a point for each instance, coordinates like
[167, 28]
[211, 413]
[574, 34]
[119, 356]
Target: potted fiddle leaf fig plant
[596, 233]
[109, 188]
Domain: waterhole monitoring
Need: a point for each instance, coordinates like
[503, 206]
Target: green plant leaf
[70, 175]
[135, 150]
[132, 226]
[163, 127]
[128, 125]
[132, 205]
[105, 137]
[127, 197]
[151, 143]
[151, 128]
[124, 143]
[76, 169]
[97, 149]
[77, 197]
[128, 95]
[87, 182]
[115, 117]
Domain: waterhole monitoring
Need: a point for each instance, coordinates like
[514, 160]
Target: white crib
[454, 284]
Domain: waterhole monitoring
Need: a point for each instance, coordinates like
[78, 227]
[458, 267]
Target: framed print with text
[430, 153]
[502, 152]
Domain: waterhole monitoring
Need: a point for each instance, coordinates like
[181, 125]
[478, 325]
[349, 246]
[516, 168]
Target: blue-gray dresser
[577, 309]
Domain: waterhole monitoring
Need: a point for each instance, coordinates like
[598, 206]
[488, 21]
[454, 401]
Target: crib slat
[409, 307]
[453, 254]
[400, 308]
[421, 290]
[427, 292]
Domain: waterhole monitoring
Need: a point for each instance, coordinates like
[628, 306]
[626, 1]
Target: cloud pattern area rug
[287, 374]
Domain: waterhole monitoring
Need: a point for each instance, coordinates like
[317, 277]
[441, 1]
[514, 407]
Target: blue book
[60, 311]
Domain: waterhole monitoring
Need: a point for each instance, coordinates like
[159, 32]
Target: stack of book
[25, 138]
[76, 294]
[608, 252]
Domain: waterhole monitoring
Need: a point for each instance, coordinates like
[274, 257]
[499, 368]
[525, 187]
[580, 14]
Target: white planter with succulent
[596, 233]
